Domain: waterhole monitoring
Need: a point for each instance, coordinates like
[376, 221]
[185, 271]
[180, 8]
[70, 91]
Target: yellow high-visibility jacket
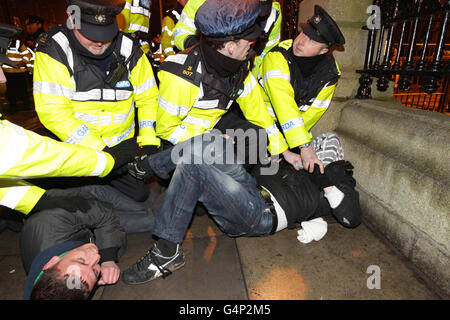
[170, 19]
[296, 110]
[74, 102]
[25, 154]
[187, 110]
[30, 63]
[273, 28]
[18, 52]
[137, 15]
[185, 27]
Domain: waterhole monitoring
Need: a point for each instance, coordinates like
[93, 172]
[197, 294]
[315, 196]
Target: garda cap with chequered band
[322, 28]
[6, 34]
[98, 18]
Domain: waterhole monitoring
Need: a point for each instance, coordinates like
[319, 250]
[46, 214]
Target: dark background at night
[13, 12]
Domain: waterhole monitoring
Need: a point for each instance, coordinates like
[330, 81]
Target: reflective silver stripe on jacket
[187, 21]
[270, 20]
[137, 27]
[274, 73]
[171, 108]
[177, 134]
[167, 29]
[273, 41]
[126, 47]
[248, 87]
[147, 123]
[97, 94]
[178, 32]
[105, 119]
[293, 123]
[206, 104]
[176, 14]
[63, 42]
[273, 129]
[52, 88]
[78, 134]
[111, 141]
[197, 121]
[13, 196]
[14, 149]
[101, 164]
[148, 84]
[136, 8]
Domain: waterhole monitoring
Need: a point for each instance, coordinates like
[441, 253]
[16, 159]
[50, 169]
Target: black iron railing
[290, 12]
[408, 44]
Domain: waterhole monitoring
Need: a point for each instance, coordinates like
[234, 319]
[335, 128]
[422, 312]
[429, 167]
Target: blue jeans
[228, 192]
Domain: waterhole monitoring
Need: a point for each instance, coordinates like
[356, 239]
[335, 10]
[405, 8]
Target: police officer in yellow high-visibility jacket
[25, 154]
[299, 77]
[16, 88]
[137, 15]
[136, 20]
[269, 20]
[197, 88]
[88, 82]
[171, 17]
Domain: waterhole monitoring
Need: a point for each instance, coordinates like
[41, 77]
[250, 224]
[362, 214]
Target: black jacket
[299, 197]
[100, 225]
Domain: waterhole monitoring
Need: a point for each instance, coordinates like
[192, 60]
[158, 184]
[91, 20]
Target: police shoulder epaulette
[191, 64]
[187, 70]
[285, 44]
[46, 38]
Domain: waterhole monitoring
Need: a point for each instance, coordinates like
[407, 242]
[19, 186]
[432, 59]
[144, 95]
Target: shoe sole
[172, 269]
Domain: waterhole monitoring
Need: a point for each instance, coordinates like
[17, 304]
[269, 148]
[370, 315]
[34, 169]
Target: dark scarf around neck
[220, 64]
[307, 65]
[102, 60]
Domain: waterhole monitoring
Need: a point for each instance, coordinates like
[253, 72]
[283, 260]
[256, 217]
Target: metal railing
[409, 46]
[290, 12]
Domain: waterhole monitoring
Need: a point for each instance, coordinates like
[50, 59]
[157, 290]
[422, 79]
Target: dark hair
[51, 286]
[216, 44]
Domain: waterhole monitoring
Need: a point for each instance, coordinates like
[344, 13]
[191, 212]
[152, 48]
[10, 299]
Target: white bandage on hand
[334, 197]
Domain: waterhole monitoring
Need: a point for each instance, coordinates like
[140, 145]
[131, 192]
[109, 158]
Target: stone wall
[403, 173]
[401, 155]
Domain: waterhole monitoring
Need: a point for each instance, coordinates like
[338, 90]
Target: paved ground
[343, 265]
[269, 268]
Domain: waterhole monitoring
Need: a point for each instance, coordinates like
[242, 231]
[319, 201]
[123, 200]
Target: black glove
[140, 168]
[150, 149]
[122, 153]
[319, 179]
[72, 203]
[340, 172]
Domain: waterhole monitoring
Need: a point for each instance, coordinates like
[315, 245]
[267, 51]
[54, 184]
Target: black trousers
[126, 184]
[17, 89]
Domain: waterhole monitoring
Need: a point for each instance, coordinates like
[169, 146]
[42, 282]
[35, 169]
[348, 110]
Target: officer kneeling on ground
[299, 78]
